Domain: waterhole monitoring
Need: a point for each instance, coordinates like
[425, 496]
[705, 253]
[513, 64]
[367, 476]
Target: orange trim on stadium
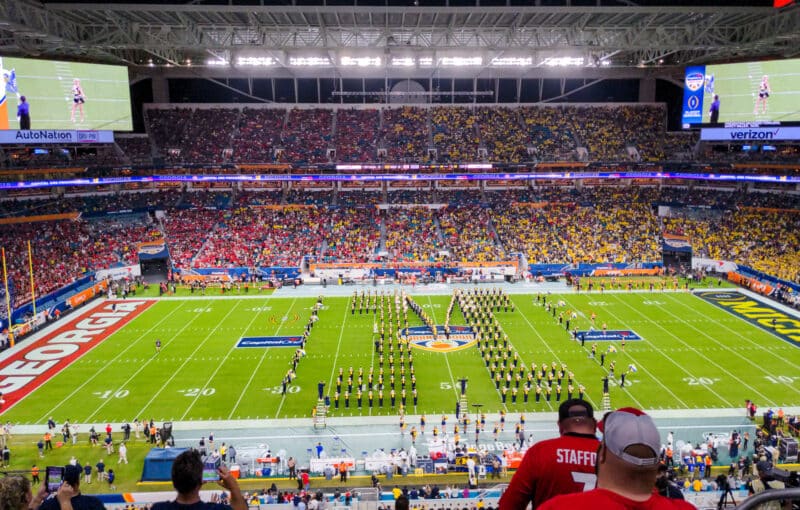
[42, 217]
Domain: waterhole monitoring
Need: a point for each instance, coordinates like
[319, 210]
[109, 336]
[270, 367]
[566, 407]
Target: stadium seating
[307, 136]
[258, 134]
[356, 135]
[405, 133]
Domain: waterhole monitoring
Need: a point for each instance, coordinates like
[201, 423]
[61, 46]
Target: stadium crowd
[547, 225]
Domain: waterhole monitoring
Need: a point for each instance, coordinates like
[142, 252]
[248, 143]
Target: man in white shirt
[123, 454]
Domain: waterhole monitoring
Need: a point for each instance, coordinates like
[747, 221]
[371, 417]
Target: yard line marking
[753, 345]
[754, 365]
[644, 369]
[339, 344]
[95, 374]
[685, 344]
[283, 397]
[260, 361]
[547, 344]
[446, 361]
[188, 358]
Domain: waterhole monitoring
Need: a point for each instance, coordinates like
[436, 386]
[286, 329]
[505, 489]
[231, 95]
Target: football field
[691, 355]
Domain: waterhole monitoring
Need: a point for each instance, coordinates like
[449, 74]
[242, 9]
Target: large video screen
[65, 95]
[765, 91]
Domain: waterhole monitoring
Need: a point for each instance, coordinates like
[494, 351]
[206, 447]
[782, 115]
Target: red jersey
[602, 499]
[555, 466]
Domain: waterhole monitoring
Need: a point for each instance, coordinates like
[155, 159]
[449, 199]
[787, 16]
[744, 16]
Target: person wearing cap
[187, 478]
[562, 465]
[766, 481]
[69, 497]
[627, 468]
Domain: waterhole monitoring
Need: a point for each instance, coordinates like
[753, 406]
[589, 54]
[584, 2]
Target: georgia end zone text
[35, 364]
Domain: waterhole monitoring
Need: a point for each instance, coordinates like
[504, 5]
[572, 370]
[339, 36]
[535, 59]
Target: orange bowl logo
[422, 337]
[695, 81]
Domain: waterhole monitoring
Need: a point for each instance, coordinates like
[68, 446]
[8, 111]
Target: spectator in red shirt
[627, 467]
[562, 465]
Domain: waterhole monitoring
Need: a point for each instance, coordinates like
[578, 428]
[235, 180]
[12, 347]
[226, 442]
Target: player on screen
[709, 84]
[763, 95]
[78, 99]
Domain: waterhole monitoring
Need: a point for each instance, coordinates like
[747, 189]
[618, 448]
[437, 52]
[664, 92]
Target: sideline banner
[87, 294]
[42, 136]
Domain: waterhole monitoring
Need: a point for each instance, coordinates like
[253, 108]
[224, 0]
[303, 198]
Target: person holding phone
[67, 494]
[187, 478]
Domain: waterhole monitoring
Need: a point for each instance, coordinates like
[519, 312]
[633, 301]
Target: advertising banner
[54, 136]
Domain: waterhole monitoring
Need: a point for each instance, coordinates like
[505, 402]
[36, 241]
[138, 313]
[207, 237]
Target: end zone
[35, 364]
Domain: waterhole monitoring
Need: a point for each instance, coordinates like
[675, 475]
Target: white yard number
[699, 381]
[260, 309]
[652, 302]
[112, 394]
[276, 390]
[445, 386]
[780, 379]
[598, 303]
[589, 480]
[200, 310]
[194, 392]
[432, 305]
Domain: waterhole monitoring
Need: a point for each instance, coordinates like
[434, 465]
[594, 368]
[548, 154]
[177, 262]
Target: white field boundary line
[741, 336]
[187, 360]
[546, 344]
[446, 360]
[670, 333]
[754, 365]
[656, 379]
[108, 364]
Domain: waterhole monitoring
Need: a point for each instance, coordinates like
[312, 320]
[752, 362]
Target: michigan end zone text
[38, 362]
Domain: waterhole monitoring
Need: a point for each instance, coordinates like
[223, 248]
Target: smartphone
[53, 477]
[210, 470]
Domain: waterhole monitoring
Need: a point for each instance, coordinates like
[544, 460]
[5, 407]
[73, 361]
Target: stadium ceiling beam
[171, 34]
[39, 32]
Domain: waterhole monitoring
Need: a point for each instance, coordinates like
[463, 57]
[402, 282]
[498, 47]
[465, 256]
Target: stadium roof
[508, 36]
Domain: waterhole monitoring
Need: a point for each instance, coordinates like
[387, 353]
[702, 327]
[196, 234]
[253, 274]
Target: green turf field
[737, 86]
[692, 355]
[47, 85]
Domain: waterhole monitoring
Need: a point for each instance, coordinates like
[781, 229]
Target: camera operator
[665, 484]
[724, 487]
[766, 481]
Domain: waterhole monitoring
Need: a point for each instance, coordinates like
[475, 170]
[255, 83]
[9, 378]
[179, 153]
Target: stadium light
[217, 62]
[309, 61]
[361, 61]
[461, 61]
[255, 61]
[563, 61]
[426, 61]
[402, 62]
[512, 61]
